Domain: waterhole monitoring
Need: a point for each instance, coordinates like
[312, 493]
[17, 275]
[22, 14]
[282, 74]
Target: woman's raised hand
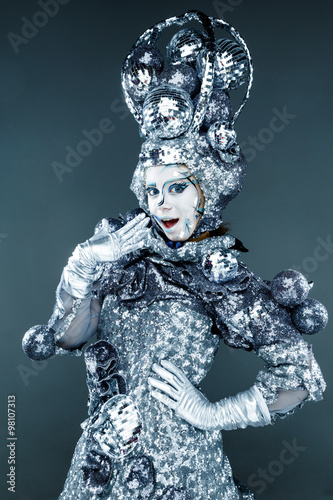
[85, 265]
[109, 247]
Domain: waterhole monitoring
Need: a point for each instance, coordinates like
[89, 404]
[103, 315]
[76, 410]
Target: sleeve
[74, 320]
[250, 316]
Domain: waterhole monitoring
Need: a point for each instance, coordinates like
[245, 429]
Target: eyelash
[180, 185]
[152, 191]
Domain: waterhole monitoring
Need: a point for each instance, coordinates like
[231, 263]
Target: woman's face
[175, 200]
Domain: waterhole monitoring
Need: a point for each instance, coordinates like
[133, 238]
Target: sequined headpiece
[184, 111]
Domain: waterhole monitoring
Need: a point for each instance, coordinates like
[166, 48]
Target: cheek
[189, 201]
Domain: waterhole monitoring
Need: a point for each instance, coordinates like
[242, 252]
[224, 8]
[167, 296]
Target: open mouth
[169, 223]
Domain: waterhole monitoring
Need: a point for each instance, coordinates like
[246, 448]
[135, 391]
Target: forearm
[245, 409]
[291, 377]
[79, 322]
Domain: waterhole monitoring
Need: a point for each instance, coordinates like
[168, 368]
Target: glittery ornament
[149, 56]
[38, 342]
[221, 136]
[118, 426]
[185, 46]
[218, 109]
[167, 111]
[139, 79]
[230, 155]
[183, 76]
[101, 358]
[203, 145]
[289, 288]
[139, 477]
[231, 65]
[97, 470]
[310, 317]
[220, 266]
[101, 361]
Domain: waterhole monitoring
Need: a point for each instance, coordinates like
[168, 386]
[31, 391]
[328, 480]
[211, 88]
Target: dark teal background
[67, 79]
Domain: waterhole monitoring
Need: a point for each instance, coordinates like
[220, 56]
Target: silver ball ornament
[185, 46]
[219, 109]
[231, 65]
[117, 429]
[310, 317]
[221, 136]
[167, 112]
[139, 79]
[219, 266]
[203, 146]
[96, 471]
[149, 56]
[289, 288]
[38, 342]
[183, 76]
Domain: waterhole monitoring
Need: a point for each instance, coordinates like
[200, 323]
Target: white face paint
[175, 199]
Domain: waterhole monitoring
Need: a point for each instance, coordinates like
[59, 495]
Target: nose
[163, 203]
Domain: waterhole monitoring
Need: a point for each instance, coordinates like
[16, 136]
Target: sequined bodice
[164, 329]
[144, 335]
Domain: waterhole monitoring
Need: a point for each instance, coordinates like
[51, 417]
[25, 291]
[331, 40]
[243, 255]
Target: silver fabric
[192, 250]
[177, 392]
[288, 368]
[179, 452]
[83, 267]
[151, 313]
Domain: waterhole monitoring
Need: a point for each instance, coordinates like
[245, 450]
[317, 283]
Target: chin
[177, 237]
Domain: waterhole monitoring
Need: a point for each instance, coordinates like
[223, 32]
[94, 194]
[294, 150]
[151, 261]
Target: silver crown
[186, 119]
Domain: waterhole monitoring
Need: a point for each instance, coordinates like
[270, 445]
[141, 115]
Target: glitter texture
[163, 284]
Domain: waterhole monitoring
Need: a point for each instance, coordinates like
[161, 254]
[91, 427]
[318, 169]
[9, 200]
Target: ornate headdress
[184, 111]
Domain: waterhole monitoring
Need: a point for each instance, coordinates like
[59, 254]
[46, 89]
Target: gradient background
[66, 79]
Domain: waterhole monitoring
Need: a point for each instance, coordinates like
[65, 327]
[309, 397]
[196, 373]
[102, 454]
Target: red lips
[169, 223]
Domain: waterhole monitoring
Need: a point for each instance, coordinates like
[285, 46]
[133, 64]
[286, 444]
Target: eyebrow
[152, 184]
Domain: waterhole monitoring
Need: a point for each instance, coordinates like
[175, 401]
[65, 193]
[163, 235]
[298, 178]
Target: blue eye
[152, 191]
[178, 187]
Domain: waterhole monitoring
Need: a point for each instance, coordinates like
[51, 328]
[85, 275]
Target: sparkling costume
[176, 302]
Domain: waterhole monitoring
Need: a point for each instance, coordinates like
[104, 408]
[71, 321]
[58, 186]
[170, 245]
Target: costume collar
[190, 251]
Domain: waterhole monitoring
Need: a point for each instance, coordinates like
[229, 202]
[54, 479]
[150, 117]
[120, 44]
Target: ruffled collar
[190, 251]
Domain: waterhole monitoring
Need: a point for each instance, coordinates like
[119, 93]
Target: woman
[162, 287]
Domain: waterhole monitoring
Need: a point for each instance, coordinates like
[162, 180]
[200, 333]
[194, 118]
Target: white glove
[83, 266]
[246, 408]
